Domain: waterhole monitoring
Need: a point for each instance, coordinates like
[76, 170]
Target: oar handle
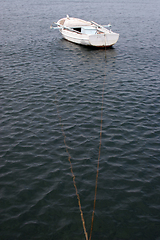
[59, 26]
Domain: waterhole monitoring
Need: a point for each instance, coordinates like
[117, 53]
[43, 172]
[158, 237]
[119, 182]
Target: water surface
[46, 83]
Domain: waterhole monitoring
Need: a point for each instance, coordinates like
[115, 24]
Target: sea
[66, 107]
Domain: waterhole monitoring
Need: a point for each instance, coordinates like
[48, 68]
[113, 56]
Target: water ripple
[48, 83]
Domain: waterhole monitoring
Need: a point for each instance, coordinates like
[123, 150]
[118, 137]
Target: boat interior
[80, 26]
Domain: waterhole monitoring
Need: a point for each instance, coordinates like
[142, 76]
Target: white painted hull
[101, 38]
[75, 38]
[108, 39]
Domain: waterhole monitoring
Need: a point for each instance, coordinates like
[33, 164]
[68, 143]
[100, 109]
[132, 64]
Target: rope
[99, 154]
[73, 177]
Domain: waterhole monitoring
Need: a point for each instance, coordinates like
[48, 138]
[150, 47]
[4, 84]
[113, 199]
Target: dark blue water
[47, 84]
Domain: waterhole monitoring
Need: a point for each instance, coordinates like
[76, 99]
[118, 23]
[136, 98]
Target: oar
[109, 25]
[63, 27]
[100, 26]
[59, 26]
[51, 27]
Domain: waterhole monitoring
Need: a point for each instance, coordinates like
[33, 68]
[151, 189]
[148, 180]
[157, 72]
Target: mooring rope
[99, 154]
[73, 177]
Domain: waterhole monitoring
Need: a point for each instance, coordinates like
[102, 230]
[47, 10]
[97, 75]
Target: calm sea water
[46, 83]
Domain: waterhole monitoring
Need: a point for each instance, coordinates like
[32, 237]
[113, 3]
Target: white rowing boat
[86, 33]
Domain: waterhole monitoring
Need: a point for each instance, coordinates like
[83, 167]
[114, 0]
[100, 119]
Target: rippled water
[48, 83]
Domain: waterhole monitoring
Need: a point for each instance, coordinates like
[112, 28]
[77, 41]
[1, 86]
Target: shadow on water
[87, 51]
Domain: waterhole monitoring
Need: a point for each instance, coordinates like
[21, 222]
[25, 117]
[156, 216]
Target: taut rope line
[73, 177]
[99, 154]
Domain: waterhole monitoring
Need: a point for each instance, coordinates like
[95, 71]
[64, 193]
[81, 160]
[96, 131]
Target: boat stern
[104, 39]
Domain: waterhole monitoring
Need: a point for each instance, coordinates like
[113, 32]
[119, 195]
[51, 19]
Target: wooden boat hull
[86, 33]
[103, 40]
